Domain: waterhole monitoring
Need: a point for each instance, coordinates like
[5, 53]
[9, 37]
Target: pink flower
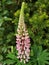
[22, 40]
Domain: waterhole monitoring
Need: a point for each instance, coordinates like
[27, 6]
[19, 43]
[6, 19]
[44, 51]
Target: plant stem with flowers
[22, 39]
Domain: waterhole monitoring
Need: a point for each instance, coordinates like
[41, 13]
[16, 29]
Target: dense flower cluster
[22, 40]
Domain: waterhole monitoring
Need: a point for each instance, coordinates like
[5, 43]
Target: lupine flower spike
[22, 39]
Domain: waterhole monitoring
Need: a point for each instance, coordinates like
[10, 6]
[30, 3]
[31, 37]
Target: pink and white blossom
[22, 40]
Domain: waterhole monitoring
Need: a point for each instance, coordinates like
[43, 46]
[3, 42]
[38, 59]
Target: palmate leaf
[40, 56]
[8, 61]
[11, 56]
[11, 59]
[43, 58]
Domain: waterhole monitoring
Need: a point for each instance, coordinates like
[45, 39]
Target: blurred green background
[37, 21]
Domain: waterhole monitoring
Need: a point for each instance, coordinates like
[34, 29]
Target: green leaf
[40, 56]
[1, 57]
[12, 56]
[17, 13]
[9, 2]
[9, 37]
[7, 18]
[1, 21]
[43, 57]
[8, 61]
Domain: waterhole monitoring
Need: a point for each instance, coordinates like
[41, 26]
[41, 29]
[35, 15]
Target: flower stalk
[22, 39]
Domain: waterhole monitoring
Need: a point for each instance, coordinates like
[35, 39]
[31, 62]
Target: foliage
[37, 22]
[40, 56]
